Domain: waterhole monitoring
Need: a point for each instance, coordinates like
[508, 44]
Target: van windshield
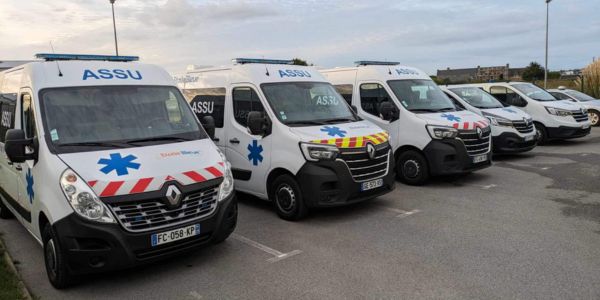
[421, 96]
[534, 92]
[80, 119]
[579, 95]
[307, 103]
[477, 97]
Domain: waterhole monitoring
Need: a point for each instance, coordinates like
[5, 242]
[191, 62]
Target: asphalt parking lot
[529, 227]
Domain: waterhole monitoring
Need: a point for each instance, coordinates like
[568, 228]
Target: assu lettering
[294, 73]
[203, 107]
[111, 74]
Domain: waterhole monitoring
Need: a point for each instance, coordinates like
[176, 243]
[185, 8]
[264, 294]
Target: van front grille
[525, 126]
[475, 144]
[579, 116]
[152, 214]
[362, 167]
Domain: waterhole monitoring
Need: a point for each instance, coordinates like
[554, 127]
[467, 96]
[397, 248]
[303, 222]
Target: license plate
[480, 158]
[373, 184]
[174, 235]
[529, 138]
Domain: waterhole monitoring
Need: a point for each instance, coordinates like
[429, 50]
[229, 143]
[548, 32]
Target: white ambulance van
[106, 165]
[585, 100]
[289, 135]
[429, 134]
[553, 119]
[512, 129]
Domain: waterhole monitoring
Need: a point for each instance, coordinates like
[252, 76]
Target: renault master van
[585, 100]
[106, 165]
[289, 136]
[429, 134]
[553, 119]
[512, 129]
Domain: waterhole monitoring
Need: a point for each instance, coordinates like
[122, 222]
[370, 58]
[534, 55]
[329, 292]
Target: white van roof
[256, 72]
[378, 72]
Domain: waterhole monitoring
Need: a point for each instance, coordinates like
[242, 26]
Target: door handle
[234, 141]
[18, 167]
[216, 140]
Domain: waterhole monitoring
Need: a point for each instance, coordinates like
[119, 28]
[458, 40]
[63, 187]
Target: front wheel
[412, 168]
[542, 134]
[287, 198]
[594, 117]
[54, 258]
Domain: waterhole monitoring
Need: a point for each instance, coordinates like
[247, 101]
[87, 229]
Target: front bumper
[565, 132]
[447, 157]
[92, 247]
[329, 184]
[509, 142]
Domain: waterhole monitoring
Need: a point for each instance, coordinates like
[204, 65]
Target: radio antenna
[57, 65]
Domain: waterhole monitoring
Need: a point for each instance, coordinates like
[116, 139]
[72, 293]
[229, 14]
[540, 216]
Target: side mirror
[257, 123]
[208, 122]
[388, 111]
[14, 146]
[354, 108]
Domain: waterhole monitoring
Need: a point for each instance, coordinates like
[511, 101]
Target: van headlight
[317, 152]
[558, 112]
[497, 121]
[226, 187]
[442, 132]
[82, 198]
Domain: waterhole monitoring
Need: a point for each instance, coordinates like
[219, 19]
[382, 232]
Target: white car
[512, 129]
[591, 104]
[429, 135]
[290, 137]
[106, 165]
[553, 119]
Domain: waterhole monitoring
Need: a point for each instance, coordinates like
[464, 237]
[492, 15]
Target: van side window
[245, 100]
[456, 102]
[27, 116]
[507, 96]
[346, 91]
[560, 96]
[8, 105]
[371, 96]
[207, 102]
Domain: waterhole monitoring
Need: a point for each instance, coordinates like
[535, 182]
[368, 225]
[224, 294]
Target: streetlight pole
[112, 4]
[546, 67]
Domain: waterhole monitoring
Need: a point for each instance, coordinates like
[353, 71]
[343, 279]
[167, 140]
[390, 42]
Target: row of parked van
[110, 163]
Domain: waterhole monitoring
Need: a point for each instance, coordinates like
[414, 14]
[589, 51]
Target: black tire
[54, 258]
[594, 117]
[228, 225]
[4, 212]
[412, 168]
[286, 197]
[542, 134]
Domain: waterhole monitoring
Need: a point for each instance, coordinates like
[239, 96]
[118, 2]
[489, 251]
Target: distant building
[8, 64]
[570, 74]
[480, 74]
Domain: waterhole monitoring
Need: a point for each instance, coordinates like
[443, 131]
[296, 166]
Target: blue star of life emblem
[29, 179]
[255, 151]
[450, 117]
[118, 164]
[333, 131]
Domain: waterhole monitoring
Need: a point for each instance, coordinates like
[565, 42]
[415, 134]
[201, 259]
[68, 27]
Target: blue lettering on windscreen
[406, 72]
[294, 73]
[111, 74]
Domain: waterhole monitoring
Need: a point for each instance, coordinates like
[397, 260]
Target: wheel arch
[273, 175]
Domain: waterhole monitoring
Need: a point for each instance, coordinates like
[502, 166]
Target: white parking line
[278, 255]
[403, 213]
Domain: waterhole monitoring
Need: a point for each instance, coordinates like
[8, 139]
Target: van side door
[249, 155]
[25, 172]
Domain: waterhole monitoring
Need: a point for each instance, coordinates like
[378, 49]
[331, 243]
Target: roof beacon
[376, 63]
[53, 57]
[242, 61]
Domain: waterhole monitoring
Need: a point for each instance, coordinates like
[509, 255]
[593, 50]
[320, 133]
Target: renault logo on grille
[371, 151]
[173, 195]
[479, 132]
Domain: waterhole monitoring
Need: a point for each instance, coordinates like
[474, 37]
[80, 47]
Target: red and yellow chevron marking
[356, 141]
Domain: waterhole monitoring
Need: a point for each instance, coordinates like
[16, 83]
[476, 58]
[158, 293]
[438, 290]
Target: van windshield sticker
[111, 74]
[54, 135]
[283, 116]
[406, 72]
[118, 163]
[334, 131]
[294, 73]
[326, 100]
[255, 151]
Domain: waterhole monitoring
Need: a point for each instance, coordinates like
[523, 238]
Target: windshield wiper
[158, 139]
[305, 123]
[93, 144]
[340, 120]
[447, 109]
[425, 110]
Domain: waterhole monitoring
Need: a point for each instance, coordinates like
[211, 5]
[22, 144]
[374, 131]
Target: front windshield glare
[477, 98]
[116, 114]
[421, 95]
[579, 95]
[307, 103]
[534, 92]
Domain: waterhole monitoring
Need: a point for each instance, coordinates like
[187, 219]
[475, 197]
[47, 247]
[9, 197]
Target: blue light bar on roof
[376, 63]
[52, 57]
[242, 61]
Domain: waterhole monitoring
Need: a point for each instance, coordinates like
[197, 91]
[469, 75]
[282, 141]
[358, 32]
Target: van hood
[510, 113]
[563, 104]
[143, 169]
[345, 135]
[458, 119]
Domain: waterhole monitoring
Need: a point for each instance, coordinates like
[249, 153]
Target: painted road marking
[278, 255]
[403, 213]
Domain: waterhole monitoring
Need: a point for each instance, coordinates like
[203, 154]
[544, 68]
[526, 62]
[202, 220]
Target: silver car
[592, 105]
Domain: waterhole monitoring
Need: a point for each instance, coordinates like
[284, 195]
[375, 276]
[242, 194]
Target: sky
[430, 35]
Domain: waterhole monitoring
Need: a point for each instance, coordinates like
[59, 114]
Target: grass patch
[9, 288]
